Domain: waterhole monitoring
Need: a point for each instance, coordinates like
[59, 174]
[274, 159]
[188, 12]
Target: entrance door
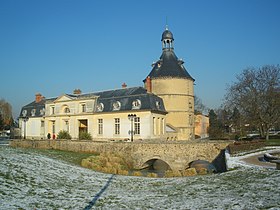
[83, 126]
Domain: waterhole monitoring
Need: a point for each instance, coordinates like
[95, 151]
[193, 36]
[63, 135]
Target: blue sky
[55, 46]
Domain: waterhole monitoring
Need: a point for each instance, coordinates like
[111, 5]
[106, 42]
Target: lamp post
[131, 117]
[25, 119]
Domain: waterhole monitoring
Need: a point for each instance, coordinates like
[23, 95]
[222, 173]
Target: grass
[67, 156]
[272, 142]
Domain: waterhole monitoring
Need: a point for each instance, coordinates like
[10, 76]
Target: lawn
[273, 142]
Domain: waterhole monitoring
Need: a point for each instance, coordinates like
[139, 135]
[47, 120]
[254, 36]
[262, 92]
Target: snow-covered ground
[239, 160]
[29, 180]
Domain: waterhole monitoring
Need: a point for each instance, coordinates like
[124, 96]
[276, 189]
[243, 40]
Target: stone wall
[177, 155]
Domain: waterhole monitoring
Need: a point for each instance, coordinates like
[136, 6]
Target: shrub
[85, 136]
[64, 135]
[170, 173]
[152, 175]
[108, 163]
[136, 173]
[189, 172]
[123, 172]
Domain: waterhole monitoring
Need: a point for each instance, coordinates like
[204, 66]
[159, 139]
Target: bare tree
[6, 114]
[256, 94]
[199, 107]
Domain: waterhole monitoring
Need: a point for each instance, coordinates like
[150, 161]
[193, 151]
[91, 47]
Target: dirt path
[254, 160]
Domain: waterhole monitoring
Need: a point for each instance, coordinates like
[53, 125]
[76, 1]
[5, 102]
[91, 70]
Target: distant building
[164, 108]
[201, 126]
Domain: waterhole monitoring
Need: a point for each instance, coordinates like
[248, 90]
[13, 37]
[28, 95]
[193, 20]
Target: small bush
[64, 135]
[202, 171]
[123, 172]
[189, 172]
[85, 136]
[170, 173]
[136, 173]
[111, 163]
[152, 175]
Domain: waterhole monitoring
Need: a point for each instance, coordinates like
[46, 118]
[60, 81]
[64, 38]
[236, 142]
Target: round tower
[170, 80]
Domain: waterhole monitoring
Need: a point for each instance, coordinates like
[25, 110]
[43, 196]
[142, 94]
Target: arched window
[24, 113]
[66, 110]
[116, 106]
[42, 111]
[136, 104]
[33, 112]
[100, 107]
[158, 104]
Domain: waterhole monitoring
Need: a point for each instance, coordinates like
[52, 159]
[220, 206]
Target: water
[4, 141]
[32, 180]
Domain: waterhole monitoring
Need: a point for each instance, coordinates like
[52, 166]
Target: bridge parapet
[177, 155]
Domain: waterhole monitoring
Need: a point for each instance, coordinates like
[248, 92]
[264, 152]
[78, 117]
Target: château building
[162, 109]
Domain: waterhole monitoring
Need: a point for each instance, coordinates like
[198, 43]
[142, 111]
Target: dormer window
[100, 107]
[24, 113]
[136, 104]
[33, 112]
[116, 106]
[42, 111]
[158, 104]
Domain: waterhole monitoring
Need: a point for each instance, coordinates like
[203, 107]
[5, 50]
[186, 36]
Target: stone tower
[170, 80]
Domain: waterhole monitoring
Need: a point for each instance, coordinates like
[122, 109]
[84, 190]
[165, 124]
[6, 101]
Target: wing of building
[164, 109]
[102, 114]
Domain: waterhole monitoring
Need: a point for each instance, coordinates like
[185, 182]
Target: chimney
[124, 85]
[38, 97]
[149, 84]
[77, 91]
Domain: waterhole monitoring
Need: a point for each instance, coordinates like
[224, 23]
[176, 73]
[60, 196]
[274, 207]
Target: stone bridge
[177, 155]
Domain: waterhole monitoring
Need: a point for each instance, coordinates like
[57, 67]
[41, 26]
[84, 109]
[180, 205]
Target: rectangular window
[42, 124]
[66, 126]
[83, 107]
[100, 126]
[53, 127]
[137, 125]
[52, 110]
[117, 126]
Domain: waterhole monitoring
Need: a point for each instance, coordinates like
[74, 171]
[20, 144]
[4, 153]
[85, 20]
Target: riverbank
[252, 159]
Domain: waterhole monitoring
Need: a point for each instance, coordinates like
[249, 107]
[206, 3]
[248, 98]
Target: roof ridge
[118, 89]
[126, 96]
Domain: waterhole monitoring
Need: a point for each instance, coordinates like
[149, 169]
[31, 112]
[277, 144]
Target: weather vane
[166, 23]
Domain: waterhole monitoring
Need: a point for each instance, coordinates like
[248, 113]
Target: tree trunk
[267, 135]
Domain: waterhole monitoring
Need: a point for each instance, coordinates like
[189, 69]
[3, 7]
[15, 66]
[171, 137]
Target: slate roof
[169, 66]
[39, 109]
[125, 97]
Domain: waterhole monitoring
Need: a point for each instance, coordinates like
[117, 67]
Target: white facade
[82, 114]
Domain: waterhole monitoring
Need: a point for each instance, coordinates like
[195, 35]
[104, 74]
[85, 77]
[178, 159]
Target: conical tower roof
[169, 65]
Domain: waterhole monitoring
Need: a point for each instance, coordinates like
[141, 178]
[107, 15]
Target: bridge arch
[157, 164]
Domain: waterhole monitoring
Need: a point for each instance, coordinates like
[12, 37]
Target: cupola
[167, 39]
